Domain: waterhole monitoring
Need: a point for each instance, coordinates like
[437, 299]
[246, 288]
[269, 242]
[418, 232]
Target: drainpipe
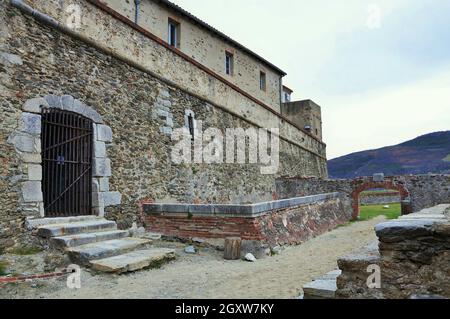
[137, 4]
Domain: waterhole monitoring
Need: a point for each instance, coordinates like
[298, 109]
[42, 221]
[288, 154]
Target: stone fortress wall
[142, 90]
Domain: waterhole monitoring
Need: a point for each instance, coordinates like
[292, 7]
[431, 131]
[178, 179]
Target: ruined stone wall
[142, 110]
[420, 191]
[379, 199]
[413, 256]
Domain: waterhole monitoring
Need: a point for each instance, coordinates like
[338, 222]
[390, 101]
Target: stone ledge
[249, 211]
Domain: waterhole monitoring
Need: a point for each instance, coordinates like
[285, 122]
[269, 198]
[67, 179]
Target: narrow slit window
[229, 63]
[262, 81]
[191, 125]
[174, 33]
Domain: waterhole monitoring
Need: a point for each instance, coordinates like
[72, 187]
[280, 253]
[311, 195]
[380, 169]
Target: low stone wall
[282, 222]
[380, 199]
[416, 191]
[413, 255]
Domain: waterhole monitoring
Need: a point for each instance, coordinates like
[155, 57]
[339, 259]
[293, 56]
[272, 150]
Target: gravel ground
[208, 275]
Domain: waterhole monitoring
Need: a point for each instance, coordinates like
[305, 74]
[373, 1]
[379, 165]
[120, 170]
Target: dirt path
[209, 276]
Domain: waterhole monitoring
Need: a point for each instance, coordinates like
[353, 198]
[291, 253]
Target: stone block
[53, 101]
[25, 143]
[379, 177]
[166, 130]
[400, 230]
[97, 199]
[104, 184]
[35, 105]
[8, 59]
[31, 157]
[67, 102]
[30, 123]
[32, 192]
[34, 172]
[102, 167]
[111, 198]
[104, 133]
[99, 149]
[95, 186]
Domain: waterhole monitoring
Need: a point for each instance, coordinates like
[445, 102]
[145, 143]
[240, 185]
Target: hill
[425, 154]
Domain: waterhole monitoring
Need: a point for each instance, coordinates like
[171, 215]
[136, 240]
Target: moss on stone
[3, 266]
[25, 251]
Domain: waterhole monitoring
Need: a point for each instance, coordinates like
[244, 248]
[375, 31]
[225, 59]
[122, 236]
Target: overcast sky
[380, 69]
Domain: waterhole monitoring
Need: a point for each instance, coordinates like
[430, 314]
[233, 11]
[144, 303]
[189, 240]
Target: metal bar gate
[67, 163]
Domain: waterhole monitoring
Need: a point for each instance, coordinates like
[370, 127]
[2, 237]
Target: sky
[380, 69]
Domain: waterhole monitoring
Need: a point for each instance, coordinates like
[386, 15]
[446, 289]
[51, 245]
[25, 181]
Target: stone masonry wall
[421, 191]
[277, 227]
[379, 199]
[36, 60]
[413, 255]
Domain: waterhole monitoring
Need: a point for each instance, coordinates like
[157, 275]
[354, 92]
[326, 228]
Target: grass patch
[372, 211]
[25, 251]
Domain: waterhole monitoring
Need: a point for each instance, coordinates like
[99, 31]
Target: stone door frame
[26, 140]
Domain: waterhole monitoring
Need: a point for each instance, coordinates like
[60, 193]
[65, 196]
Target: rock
[386, 206]
[190, 250]
[198, 240]
[250, 257]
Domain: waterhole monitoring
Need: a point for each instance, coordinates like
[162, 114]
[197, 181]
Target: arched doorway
[67, 140]
[388, 185]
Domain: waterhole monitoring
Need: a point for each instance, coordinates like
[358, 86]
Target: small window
[190, 122]
[229, 63]
[262, 81]
[174, 33]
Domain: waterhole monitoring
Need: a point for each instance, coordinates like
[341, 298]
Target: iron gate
[67, 163]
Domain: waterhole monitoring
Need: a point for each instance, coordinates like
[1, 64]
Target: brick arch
[389, 184]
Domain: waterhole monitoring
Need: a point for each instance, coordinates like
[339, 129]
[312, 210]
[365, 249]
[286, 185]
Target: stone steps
[133, 261]
[34, 223]
[95, 242]
[85, 253]
[73, 228]
[323, 287]
[87, 238]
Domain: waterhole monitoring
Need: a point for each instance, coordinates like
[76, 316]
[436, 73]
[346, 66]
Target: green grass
[447, 159]
[371, 211]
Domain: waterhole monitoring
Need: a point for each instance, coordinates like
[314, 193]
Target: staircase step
[320, 289]
[104, 249]
[88, 238]
[135, 260]
[57, 230]
[34, 223]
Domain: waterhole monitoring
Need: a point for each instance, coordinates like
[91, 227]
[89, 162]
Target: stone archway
[26, 140]
[360, 186]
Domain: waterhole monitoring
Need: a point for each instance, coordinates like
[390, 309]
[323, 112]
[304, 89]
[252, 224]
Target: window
[174, 33]
[190, 122]
[229, 63]
[287, 97]
[262, 81]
